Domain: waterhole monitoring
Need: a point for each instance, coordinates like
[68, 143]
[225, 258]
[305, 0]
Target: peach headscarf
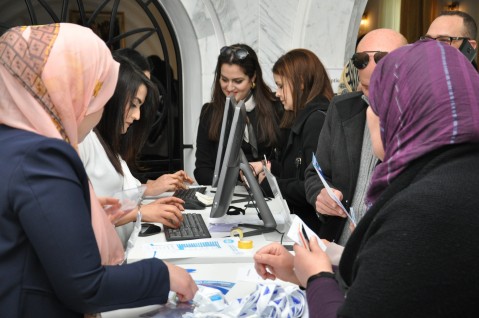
[52, 76]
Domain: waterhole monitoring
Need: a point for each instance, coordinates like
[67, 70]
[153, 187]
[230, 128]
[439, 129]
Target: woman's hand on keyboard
[167, 214]
[168, 182]
[171, 200]
[185, 177]
[181, 282]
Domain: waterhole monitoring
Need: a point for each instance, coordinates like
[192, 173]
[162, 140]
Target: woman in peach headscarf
[51, 99]
[55, 80]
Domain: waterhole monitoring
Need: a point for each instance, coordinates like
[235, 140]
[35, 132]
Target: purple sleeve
[324, 297]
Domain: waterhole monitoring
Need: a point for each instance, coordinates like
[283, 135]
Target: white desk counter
[145, 247]
[228, 273]
[238, 270]
[239, 278]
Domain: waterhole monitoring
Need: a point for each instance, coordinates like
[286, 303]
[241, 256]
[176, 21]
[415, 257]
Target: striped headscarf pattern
[426, 95]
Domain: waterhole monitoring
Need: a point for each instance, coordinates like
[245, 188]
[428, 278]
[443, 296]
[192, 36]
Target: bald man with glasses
[344, 150]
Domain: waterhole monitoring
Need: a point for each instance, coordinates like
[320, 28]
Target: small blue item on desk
[223, 286]
[208, 299]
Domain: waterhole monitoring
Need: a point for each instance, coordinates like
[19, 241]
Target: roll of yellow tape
[236, 233]
[246, 244]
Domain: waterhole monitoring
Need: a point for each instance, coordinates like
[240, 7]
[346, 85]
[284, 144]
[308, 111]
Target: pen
[265, 162]
[305, 234]
[303, 237]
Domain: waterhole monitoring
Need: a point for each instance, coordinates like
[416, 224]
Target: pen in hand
[304, 237]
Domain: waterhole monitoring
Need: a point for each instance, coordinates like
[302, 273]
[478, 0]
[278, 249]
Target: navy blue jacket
[49, 260]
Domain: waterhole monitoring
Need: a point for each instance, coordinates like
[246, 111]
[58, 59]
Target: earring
[253, 85]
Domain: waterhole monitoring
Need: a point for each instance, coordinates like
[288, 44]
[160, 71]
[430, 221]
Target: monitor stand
[264, 211]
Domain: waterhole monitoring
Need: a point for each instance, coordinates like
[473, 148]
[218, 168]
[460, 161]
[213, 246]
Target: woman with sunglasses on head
[414, 253]
[111, 149]
[304, 88]
[237, 73]
[59, 253]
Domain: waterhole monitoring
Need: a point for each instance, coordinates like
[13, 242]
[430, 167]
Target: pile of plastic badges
[268, 300]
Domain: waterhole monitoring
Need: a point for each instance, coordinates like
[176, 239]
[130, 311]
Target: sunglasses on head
[361, 59]
[238, 52]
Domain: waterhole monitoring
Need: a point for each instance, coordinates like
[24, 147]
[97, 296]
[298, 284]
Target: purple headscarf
[426, 96]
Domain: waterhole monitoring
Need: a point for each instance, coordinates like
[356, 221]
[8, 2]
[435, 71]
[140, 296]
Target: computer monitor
[224, 134]
[234, 160]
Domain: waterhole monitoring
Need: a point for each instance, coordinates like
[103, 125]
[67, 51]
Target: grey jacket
[338, 153]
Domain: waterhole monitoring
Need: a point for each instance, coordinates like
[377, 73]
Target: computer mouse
[148, 229]
[193, 205]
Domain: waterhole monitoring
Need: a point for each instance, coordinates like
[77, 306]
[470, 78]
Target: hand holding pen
[303, 236]
[332, 193]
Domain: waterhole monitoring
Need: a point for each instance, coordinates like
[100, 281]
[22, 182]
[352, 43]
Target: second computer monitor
[224, 135]
[234, 160]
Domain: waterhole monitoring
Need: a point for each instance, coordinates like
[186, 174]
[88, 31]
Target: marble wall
[202, 27]
[270, 27]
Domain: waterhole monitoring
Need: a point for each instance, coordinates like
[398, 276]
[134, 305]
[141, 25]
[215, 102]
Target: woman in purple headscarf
[415, 252]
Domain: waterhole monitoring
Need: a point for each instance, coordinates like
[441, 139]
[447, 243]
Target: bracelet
[319, 275]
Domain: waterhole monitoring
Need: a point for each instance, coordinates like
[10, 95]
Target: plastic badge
[209, 299]
[270, 300]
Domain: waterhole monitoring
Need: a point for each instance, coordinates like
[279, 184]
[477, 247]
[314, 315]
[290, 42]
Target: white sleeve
[103, 176]
[129, 180]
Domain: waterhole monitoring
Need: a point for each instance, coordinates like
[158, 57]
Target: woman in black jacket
[305, 90]
[237, 73]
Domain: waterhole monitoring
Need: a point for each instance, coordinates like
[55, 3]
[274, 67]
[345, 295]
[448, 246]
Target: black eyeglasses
[443, 38]
[361, 59]
[238, 52]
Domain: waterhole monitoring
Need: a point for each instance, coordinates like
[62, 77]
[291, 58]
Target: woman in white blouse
[111, 149]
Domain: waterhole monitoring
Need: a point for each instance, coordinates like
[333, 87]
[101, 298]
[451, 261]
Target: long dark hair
[307, 78]
[109, 129]
[267, 127]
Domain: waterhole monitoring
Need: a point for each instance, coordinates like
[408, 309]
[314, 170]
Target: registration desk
[150, 246]
[235, 267]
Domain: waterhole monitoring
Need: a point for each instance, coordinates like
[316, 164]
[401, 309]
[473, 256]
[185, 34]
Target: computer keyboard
[189, 196]
[193, 227]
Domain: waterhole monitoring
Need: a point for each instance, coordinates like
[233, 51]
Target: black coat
[339, 154]
[206, 148]
[296, 155]
[415, 252]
